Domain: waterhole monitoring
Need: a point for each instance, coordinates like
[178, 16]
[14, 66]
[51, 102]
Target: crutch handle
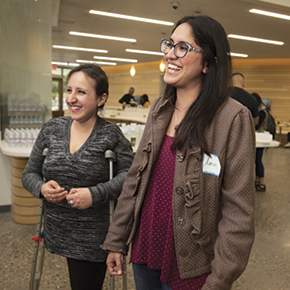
[109, 154]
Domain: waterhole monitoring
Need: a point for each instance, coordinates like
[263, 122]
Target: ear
[102, 99]
[205, 67]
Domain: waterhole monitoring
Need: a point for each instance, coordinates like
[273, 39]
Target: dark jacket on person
[247, 100]
[213, 212]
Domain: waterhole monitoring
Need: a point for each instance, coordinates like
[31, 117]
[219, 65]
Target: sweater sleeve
[32, 178]
[110, 190]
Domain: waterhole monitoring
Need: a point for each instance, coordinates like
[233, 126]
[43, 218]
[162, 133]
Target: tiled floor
[268, 268]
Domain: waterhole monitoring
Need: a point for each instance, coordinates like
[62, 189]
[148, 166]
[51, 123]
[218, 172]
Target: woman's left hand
[79, 198]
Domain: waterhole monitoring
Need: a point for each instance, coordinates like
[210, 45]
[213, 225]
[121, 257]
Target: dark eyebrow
[179, 42]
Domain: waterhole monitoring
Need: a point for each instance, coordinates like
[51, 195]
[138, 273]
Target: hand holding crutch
[111, 156]
[38, 239]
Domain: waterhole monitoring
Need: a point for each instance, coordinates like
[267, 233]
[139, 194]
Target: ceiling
[234, 15]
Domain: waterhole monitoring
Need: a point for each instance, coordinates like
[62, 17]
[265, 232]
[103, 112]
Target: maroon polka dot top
[154, 241]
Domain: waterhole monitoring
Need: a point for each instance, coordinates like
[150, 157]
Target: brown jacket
[213, 210]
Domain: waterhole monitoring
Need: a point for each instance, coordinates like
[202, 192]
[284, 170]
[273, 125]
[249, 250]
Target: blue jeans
[148, 279]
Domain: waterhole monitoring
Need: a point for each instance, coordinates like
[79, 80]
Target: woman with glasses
[187, 204]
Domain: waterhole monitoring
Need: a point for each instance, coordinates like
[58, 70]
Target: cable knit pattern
[68, 231]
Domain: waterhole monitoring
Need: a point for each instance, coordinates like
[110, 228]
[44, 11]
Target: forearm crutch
[111, 156]
[38, 239]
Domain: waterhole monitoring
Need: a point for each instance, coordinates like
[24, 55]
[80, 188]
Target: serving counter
[24, 207]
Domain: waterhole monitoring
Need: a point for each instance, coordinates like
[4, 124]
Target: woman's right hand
[115, 264]
[52, 192]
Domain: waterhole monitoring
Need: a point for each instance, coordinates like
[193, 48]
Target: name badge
[211, 165]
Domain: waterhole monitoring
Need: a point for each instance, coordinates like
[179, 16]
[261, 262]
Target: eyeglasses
[180, 49]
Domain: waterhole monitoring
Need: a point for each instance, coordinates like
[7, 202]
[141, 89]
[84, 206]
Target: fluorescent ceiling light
[144, 51]
[255, 39]
[73, 64]
[115, 59]
[238, 54]
[102, 36]
[272, 14]
[131, 17]
[59, 63]
[98, 62]
[64, 63]
[80, 48]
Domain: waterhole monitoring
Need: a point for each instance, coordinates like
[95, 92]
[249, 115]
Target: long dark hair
[258, 98]
[97, 74]
[144, 99]
[211, 37]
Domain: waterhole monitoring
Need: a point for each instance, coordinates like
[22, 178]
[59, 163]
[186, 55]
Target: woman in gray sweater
[76, 190]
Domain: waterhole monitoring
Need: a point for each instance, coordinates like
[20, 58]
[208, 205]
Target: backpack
[271, 126]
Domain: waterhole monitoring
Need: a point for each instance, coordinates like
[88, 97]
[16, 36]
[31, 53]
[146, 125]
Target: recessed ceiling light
[272, 14]
[144, 51]
[238, 54]
[131, 17]
[255, 39]
[80, 48]
[98, 62]
[115, 59]
[102, 36]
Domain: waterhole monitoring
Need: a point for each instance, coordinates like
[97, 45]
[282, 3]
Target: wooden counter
[24, 206]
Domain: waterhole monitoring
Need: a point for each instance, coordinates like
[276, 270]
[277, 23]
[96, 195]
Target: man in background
[243, 96]
[128, 98]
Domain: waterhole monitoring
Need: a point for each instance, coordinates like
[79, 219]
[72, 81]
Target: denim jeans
[148, 279]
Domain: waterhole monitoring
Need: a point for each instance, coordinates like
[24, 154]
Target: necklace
[176, 124]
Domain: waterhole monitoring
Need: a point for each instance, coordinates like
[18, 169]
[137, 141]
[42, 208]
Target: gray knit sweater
[71, 232]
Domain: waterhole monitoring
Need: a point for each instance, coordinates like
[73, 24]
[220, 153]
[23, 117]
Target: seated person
[145, 101]
[128, 99]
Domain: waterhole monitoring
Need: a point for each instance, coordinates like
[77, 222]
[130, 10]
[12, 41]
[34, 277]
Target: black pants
[86, 275]
[259, 164]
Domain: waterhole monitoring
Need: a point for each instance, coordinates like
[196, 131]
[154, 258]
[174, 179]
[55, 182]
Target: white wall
[25, 62]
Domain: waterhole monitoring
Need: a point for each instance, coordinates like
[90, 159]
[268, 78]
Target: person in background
[243, 96]
[187, 204]
[128, 99]
[145, 101]
[76, 190]
[260, 127]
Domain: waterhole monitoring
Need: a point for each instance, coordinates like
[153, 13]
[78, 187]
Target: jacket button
[179, 157]
[179, 190]
[183, 253]
[181, 221]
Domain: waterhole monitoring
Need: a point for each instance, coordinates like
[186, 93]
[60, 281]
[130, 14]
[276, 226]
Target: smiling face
[184, 73]
[81, 98]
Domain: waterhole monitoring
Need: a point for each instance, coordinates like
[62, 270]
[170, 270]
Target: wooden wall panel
[145, 81]
[270, 78]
